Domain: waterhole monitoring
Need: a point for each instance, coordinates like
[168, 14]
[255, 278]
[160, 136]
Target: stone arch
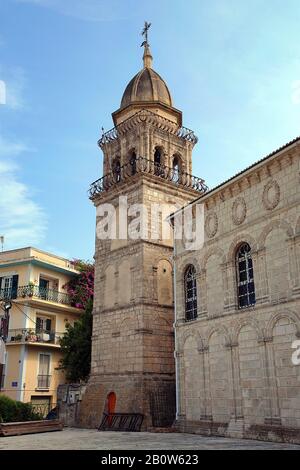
[237, 241]
[183, 265]
[247, 322]
[211, 252]
[127, 325]
[131, 161]
[278, 316]
[254, 400]
[159, 148]
[284, 328]
[191, 378]
[221, 330]
[164, 282]
[219, 374]
[281, 224]
[109, 286]
[124, 290]
[187, 334]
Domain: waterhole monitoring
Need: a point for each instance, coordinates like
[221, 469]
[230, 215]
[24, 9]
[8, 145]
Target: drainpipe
[175, 333]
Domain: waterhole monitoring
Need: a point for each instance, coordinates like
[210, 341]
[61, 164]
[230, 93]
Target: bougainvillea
[76, 342]
[81, 288]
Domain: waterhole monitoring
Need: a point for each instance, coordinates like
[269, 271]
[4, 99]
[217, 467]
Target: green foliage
[76, 347]
[12, 411]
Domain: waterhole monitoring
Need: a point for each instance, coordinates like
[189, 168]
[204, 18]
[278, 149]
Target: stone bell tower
[148, 159]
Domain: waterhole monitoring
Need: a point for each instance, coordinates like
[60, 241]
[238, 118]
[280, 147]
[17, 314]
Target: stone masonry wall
[236, 375]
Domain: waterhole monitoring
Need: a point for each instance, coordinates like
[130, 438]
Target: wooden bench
[30, 427]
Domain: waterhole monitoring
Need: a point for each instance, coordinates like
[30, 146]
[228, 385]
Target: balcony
[43, 382]
[143, 165]
[36, 292]
[30, 336]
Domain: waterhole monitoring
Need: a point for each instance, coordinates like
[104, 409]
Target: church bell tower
[147, 158]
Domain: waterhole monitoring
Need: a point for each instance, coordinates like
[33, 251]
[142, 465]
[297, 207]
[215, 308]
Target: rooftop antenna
[2, 242]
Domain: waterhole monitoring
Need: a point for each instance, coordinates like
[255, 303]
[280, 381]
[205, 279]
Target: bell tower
[148, 161]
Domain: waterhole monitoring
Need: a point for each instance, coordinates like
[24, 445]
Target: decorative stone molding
[211, 224]
[239, 211]
[271, 195]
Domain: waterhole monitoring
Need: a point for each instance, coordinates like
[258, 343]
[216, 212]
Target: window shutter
[14, 288]
[1, 287]
[38, 325]
[48, 325]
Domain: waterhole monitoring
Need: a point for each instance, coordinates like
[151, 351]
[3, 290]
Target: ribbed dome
[146, 86]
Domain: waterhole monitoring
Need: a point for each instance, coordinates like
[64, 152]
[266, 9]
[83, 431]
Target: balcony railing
[36, 292]
[141, 117]
[143, 165]
[43, 381]
[30, 335]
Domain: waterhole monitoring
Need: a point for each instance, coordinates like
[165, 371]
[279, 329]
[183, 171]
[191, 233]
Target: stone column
[261, 276]
[272, 389]
[238, 398]
[208, 400]
[180, 386]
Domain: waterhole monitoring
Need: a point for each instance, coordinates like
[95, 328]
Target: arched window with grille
[190, 287]
[245, 276]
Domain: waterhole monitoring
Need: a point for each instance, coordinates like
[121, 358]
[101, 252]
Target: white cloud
[14, 80]
[22, 220]
[11, 149]
[89, 10]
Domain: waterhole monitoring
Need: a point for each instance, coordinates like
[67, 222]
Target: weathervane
[145, 33]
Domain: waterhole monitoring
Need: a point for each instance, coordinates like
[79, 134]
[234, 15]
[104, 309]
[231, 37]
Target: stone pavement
[90, 439]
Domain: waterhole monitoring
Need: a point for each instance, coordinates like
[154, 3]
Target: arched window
[245, 276]
[176, 169]
[116, 168]
[132, 162]
[190, 287]
[158, 170]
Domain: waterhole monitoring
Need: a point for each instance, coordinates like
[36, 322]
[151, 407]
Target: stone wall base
[152, 396]
[238, 429]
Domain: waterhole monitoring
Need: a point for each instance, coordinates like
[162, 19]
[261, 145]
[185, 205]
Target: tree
[76, 342]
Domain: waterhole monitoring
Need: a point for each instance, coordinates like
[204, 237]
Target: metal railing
[31, 335]
[42, 409]
[152, 118]
[43, 381]
[37, 292]
[143, 165]
[130, 422]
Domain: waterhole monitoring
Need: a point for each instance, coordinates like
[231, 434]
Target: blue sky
[233, 68]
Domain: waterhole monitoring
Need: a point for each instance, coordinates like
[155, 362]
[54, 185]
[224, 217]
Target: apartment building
[33, 281]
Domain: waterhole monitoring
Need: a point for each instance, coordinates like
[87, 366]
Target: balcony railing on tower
[143, 165]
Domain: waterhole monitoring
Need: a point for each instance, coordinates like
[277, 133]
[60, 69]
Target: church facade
[238, 307]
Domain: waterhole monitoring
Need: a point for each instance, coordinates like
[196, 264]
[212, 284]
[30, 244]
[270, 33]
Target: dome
[147, 86]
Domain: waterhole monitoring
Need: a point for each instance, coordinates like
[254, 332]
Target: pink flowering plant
[81, 288]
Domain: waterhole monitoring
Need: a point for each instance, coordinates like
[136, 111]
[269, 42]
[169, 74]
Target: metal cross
[145, 32]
